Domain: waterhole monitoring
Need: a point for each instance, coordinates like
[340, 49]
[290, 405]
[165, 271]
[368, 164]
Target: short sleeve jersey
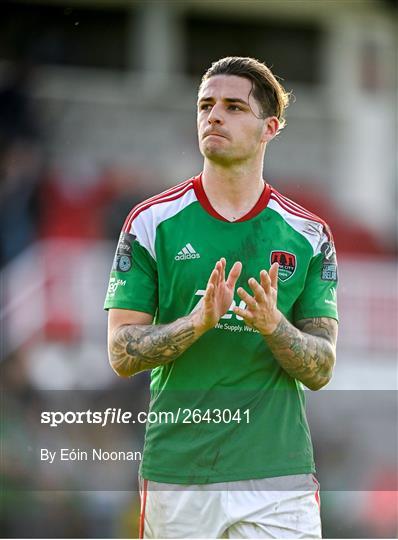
[224, 410]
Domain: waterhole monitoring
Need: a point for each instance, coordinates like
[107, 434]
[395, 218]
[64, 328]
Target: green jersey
[230, 412]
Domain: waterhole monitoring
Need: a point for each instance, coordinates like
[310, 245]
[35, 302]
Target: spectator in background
[127, 186]
[72, 199]
[20, 163]
[20, 174]
[18, 117]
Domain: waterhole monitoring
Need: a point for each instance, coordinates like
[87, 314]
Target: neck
[232, 191]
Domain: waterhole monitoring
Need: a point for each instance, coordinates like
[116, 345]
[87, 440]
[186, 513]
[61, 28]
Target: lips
[214, 134]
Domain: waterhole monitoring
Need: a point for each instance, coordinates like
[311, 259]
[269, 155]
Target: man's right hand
[218, 296]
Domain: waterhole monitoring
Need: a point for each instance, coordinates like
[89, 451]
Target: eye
[234, 108]
[204, 107]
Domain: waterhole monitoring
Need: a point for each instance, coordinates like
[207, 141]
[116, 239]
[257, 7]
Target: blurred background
[97, 112]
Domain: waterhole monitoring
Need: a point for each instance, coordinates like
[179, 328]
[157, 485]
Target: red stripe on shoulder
[299, 211]
[293, 205]
[291, 210]
[168, 195]
[171, 190]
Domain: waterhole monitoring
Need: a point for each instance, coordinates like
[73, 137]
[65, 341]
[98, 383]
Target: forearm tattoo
[135, 348]
[307, 352]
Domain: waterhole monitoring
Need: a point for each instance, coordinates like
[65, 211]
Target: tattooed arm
[135, 347]
[134, 344]
[308, 352]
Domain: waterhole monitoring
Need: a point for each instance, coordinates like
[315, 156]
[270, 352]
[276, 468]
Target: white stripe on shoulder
[147, 221]
[310, 229]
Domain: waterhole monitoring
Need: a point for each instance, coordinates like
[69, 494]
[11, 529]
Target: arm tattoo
[135, 348]
[307, 352]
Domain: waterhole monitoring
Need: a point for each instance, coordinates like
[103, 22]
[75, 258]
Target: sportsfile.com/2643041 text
[118, 416]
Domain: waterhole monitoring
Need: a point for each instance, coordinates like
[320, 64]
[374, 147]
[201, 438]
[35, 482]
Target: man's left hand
[261, 310]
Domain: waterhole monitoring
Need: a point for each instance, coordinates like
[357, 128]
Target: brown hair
[267, 90]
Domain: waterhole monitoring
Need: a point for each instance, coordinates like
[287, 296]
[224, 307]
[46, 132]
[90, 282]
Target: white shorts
[280, 507]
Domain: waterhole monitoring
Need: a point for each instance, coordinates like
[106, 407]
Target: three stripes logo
[187, 252]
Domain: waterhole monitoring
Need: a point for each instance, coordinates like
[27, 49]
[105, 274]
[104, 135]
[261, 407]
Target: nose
[215, 116]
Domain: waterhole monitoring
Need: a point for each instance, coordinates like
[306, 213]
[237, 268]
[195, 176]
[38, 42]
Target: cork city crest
[287, 263]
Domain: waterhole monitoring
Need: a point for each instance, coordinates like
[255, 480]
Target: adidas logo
[187, 252]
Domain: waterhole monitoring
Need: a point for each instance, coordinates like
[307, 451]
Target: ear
[271, 128]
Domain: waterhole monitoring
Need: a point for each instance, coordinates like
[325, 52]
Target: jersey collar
[204, 201]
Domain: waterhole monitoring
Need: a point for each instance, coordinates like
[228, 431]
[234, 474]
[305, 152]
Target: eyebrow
[228, 100]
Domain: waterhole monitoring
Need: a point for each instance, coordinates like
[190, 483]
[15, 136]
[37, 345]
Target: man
[232, 344]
